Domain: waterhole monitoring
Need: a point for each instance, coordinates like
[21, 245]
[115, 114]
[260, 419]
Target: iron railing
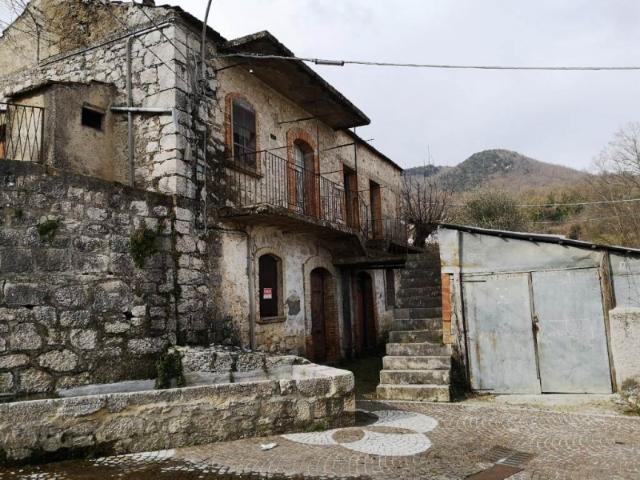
[21, 132]
[280, 183]
[267, 179]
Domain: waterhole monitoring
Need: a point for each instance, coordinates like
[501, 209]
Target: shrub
[170, 373]
[492, 209]
[47, 229]
[143, 245]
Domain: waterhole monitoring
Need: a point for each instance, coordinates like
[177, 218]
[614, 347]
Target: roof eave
[540, 237]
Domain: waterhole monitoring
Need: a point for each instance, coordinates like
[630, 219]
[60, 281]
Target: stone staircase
[417, 366]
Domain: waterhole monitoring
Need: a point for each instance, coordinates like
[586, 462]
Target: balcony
[280, 193]
[21, 132]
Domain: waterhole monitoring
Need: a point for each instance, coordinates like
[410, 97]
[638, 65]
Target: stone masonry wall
[122, 423]
[74, 307]
[159, 79]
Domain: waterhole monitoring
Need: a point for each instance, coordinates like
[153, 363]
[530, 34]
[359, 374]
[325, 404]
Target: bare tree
[618, 178]
[33, 23]
[424, 203]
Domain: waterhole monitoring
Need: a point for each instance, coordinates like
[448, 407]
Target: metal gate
[500, 337]
[540, 332]
[572, 344]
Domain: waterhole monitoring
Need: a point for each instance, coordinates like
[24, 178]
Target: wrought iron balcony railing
[279, 183]
[21, 132]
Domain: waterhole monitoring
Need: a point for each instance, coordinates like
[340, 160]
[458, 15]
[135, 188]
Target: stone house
[143, 206]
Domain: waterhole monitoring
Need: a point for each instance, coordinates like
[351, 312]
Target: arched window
[270, 282]
[244, 133]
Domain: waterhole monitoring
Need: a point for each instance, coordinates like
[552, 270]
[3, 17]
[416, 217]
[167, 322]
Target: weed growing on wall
[170, 370]
[143, 244]
[47, 229]
[630, 393]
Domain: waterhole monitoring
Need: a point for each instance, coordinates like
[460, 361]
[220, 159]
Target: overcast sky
[564, 118]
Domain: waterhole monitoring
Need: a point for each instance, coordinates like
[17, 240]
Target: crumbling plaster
[272, 107]
[300, 254]
[625, 341]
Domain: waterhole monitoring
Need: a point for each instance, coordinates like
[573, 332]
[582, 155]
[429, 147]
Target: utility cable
[110, 11]
[155, 24]
[341, 63]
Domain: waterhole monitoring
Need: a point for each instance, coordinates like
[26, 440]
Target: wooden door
[318, 331]
[351, 198]
[365, 314]
[3, 140]
[375, 202]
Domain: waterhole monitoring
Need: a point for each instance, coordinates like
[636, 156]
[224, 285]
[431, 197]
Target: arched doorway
[325, 335]
[366, 337]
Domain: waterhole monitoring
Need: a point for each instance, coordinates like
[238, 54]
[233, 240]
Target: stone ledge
[118, 423]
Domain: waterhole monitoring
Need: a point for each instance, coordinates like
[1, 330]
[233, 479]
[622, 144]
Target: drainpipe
[130, 116]
[252, 288]
[130, 139]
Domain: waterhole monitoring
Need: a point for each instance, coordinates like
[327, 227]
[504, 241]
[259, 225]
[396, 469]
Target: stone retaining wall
[144, 421]
[74, 307]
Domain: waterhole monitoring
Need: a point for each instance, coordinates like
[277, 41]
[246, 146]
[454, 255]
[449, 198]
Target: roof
[47, 83]
[296, 81]
[360, 141]
[540, 238]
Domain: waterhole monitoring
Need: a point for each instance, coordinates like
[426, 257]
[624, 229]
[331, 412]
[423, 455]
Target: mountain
[427, 170]
[502, 169]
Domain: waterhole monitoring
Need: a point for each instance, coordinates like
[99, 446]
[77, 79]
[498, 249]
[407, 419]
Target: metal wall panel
[487, 254]
[500, 335]
[626, 280]
[572, 345]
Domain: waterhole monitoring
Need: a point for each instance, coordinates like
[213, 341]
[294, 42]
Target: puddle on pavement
[126, 470]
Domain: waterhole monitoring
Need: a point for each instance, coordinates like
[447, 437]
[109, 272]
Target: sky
[559, 117]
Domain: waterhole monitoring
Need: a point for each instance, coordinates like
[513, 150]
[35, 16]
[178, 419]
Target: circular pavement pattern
[376, 442]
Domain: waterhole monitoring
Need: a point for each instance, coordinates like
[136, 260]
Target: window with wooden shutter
[244, 134]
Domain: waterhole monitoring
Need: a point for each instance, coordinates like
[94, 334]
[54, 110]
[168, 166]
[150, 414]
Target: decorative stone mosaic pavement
[463, 440]
[372, 441]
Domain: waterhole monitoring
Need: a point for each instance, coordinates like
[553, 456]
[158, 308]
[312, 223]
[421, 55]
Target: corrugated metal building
[539, 313]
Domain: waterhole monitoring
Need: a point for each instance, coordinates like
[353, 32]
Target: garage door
[566, 353]
[500, 333]
[572, 344]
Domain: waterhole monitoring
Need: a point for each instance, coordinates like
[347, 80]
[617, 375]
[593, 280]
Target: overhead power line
[581, 204]
[572, 204]
[126, 27]
[153, 22]
[341, 63]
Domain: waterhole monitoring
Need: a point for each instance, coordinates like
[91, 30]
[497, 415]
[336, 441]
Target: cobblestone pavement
[564, 446]
[452, 441]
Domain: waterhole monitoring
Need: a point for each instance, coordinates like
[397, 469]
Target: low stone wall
[74, 306]
[625, 343]
[45, 430]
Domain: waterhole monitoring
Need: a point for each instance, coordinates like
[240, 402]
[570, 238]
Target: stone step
[421, 267]
[419, 277]
[410, 282]
[419, 393]
[417, 349]
[414, 377]
[416, 363]
[419, 302]
[433, 262]
[415, 336]
[429, 312]
[405, 324]
[424, 291]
